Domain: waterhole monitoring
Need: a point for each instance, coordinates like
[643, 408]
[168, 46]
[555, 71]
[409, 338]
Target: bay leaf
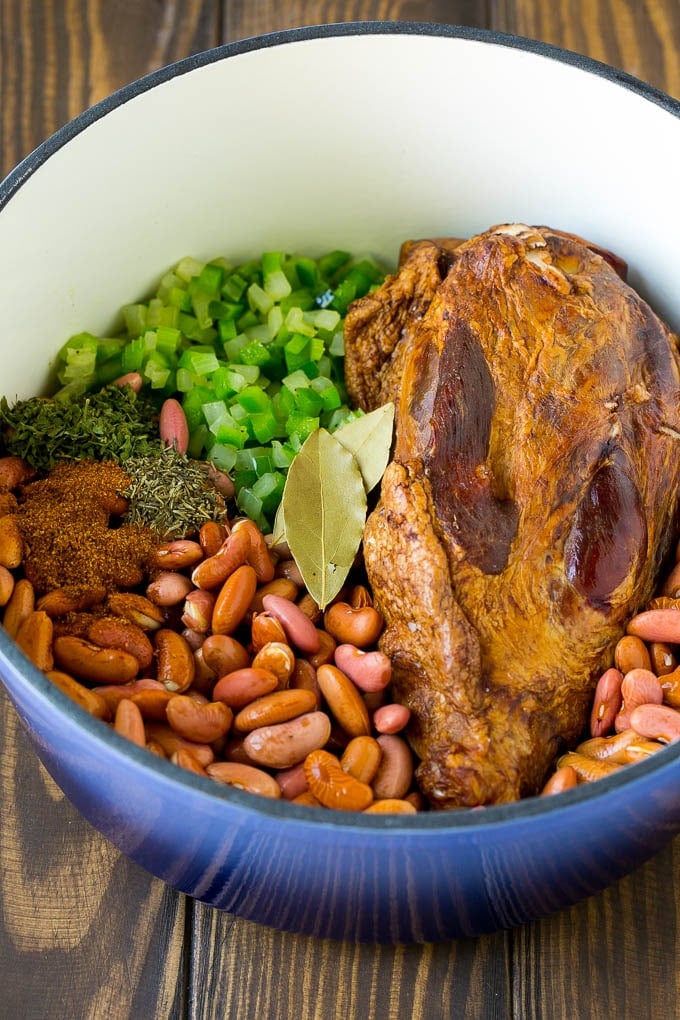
[369, 438]
[279, 526]
[324, 507]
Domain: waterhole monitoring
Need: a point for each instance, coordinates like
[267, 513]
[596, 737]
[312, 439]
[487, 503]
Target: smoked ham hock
[530, 499]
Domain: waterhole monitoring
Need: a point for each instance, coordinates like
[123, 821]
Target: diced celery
[210, 278]
[296, 351]
[269, 489]
[264, 426]
[233, 346]
[108, 347]
[337, 345]
[249, 318]
[249, 503]
[325, 319]
[133, 355]
[135, 317]
[227, 329]
[200, 302]
[328, 392]
[301, 425]
[260, 332]
[157, 371]
[197, 441]
[234, 287]
[186, 380]
[251, 373]
[316, 348]
[213, 410]
[222, 456]
[307, 271]
[254, 399]
[295, 322]
[294, 380]
[258, 299]
[254, 353]
[188, 267]
[302, 298]
[332, 261]
[282, 455]
[200, 360]
[192, 404]
[274, 320]
[109, 370]
[180, 298]
[276, 285]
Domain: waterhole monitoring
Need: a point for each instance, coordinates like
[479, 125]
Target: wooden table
[85, 933]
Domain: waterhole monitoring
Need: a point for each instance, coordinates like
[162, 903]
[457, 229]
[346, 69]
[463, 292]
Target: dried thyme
[111, 425]
[171, 494]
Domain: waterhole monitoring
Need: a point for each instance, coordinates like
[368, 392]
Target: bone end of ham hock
[531, 497]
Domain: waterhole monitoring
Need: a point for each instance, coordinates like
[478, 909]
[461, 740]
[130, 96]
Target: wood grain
[317, 979]
[61, 56]
[638, 36]
[83, 932]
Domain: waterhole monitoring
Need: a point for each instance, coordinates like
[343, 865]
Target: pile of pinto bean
[636, 708]
[226, 666]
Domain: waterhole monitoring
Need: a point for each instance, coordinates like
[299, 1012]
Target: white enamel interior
[354, 141]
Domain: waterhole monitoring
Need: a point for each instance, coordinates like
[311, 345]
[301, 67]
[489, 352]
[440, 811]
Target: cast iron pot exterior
[385, 879]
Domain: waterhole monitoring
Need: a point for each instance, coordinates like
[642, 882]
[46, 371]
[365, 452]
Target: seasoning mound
[171, 493]
[70, 525]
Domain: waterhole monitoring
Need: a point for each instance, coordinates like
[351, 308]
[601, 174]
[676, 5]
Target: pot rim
[663, 763]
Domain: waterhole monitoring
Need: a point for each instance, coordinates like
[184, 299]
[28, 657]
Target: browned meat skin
[531, 496]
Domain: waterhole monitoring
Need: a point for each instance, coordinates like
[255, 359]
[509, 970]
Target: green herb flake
[171, 494]
[113, 424]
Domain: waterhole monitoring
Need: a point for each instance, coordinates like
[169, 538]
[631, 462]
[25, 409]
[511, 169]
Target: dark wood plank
[267, 973]
[243, 18]
[613, 952]
[60, 56]
[244, 970]
[639, 36]
[84, 932]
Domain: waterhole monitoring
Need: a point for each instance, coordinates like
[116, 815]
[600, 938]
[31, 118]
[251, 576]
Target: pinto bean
[370, 671]
[202, 723]
[233, 600]
[565, 778]
[395, 772]
[639, 687]
[361, 758]
[360, 627]
[288, 743]
[245, 777]
[241, 686]
[658, 722]
[176, 665]
[344, 700]
[223, 654]
[656, 625]
[606, 702]
[631, 653]
[277, 707]
[300, 631]
[332, 786]
[88, 661]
